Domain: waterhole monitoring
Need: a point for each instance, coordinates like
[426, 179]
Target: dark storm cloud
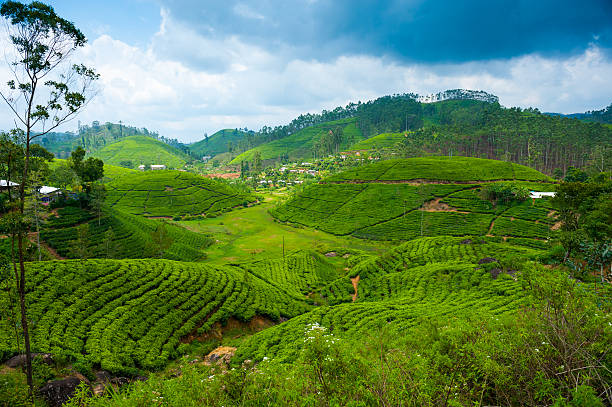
[408, 30]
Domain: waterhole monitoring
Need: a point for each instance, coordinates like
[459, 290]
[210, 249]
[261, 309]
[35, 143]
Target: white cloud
[184, 83]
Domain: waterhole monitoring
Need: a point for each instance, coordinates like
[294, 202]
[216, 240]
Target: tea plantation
[128, 314]
[404, 199]
[172, 193]
[130, 238]
[421, 279]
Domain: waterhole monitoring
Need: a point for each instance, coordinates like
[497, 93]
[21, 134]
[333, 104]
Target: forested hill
[599, 116]
[467, 127]
[96, 137]
[225, 140]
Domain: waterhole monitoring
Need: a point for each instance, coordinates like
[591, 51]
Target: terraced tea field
[423, 279]
[123, 315]
[172, 193]
[404, 199]
[131, 235]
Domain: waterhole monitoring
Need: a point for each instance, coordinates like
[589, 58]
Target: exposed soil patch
[222, 354]
[435, 205]
[355, 282]
[556, 226]
[218, 330]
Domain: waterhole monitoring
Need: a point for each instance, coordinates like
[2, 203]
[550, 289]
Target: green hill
[137, 150]
[384, 140]
[131, 236]
[124, 315]
[425, 278]
[218, 143]
[304, 143]
[110, 171]
[404, 199]
[172, 193]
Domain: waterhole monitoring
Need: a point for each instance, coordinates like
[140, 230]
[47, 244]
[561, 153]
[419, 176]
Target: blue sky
[185, 67]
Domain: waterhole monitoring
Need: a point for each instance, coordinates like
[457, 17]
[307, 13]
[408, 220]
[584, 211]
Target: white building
[158, 167]
[538, 195]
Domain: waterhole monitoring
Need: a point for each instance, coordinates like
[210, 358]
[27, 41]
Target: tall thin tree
[45, 91]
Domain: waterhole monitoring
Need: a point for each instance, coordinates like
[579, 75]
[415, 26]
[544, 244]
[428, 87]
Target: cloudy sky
[185, 67]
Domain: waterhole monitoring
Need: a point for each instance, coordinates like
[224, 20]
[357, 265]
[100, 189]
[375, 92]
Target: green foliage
[218, 142]
[302, 144]
[505, 192]
[171, 193]
[132, 314]
[131, 237]
[404, 199]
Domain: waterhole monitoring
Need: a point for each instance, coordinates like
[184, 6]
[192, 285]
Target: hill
[172, 193]
[124, 315]
[423, 279]
[110, 171]
[130, 236]
[384, 140]
[407, 198]
[133, 151]
[307, 143]
[91, 138]
[222, 141]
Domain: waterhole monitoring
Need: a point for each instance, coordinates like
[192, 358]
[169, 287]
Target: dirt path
[32, 237]
[355, 281]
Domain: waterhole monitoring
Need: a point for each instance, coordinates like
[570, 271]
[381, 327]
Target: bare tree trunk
[24, 319]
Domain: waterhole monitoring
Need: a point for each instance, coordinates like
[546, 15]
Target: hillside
[124, 315]
[404, 199]
[130, 236]
[423, 279]
[110, 171]
[384, 140]
[91, 138]
[133, 151]
[307, 143]
[218, 143]
[172, 193]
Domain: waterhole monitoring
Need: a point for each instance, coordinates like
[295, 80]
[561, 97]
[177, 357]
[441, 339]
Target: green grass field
[299, 146]
[172, 193]
[141, 150]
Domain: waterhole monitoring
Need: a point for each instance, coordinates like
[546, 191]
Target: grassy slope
[252, 234]
[299, 146]
[384, 140]
[217, 143]
[378, 201]
[171, 193]
[111, 172]
[141, 150]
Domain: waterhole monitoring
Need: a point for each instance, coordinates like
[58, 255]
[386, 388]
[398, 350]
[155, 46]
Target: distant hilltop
[458, 94]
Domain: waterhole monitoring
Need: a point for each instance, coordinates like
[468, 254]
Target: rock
[331, 254]
[486, 260]
[222, 354]
[495, 272]
[58, 392]
[120, 381]
[20, 360]
[466, 241]
[346, 256]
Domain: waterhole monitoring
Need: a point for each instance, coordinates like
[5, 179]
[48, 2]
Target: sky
[186, 67]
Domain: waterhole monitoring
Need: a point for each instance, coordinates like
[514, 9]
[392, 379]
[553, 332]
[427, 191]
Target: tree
[62, 176]
[110, 245]
[161, 241]
[97, 198]
[79, 247]
[89, 170]
[39, 96]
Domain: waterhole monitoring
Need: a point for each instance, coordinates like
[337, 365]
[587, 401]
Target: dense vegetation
[226, 140]
[125, 315]
[311, 142]
[118, 235]
[172, 193]
[404, 199]
[131, 152]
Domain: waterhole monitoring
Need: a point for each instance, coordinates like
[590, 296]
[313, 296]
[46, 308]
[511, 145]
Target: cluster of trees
[585, 211]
